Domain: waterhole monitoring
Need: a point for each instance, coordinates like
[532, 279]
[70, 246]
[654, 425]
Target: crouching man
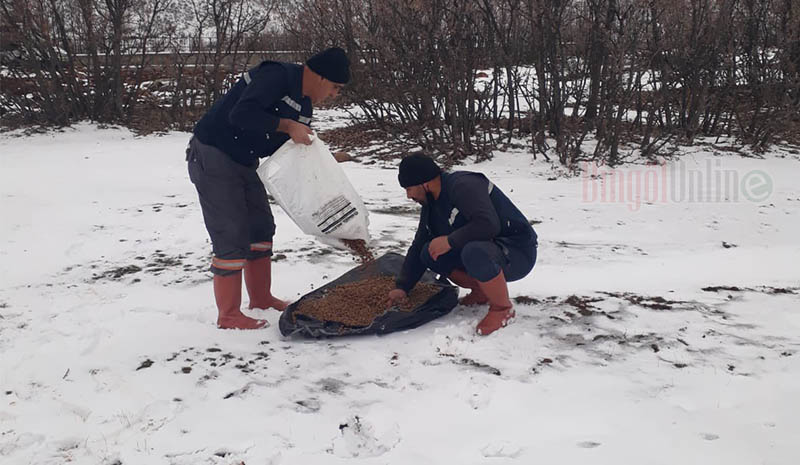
[470, 232]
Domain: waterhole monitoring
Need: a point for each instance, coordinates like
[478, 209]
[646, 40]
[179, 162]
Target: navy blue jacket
[469, 208]
[244, 122]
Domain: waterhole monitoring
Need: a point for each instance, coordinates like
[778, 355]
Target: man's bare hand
[300, 133]
[396, 296]
[438, 246]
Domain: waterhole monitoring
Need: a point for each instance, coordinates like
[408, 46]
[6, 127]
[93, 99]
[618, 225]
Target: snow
[104, 364]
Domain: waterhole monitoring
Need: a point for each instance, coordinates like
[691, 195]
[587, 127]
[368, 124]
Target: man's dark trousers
[483, 260]
[235, 207]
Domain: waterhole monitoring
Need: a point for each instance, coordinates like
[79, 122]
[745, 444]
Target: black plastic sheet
[393, 319]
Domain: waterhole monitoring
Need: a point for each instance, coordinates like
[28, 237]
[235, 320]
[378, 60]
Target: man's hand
[438, 246]
[297, 131]
[396, 296]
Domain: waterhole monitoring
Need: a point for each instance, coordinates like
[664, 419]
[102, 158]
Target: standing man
[470, 232]
[269, 105]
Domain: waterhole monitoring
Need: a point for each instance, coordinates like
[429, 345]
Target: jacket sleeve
[413, 268]
[268, 85]
[470, 195]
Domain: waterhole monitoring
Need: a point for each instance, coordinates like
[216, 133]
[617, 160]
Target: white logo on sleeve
[453, 215]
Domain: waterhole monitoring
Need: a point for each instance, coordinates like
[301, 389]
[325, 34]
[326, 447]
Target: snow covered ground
[109, 353]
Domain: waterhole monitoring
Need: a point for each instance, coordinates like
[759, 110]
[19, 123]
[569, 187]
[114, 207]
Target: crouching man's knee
[444, 264]
[481, 260]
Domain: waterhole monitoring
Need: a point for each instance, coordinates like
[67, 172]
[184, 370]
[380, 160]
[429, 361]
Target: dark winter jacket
[244, 122]
[469, 208]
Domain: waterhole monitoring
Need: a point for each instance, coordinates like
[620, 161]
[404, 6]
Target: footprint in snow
[502, 449]
[588, 444]
[331, 385]
[307, 405]
[360, 438]
[68, 444]
[23, 441]
[479, 392]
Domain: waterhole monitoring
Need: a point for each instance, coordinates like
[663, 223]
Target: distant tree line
[575, 79]
[152, 63]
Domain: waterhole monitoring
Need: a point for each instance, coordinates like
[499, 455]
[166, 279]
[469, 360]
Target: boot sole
[265, 325]
[268, 308]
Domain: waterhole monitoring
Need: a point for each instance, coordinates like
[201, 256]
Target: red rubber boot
[258, 281]
[476, 295]
[501, 311]
[228, 294]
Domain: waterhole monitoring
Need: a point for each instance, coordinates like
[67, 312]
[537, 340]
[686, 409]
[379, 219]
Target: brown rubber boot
[462, 279]
[501, 311]
[258, 281]
[228, 294]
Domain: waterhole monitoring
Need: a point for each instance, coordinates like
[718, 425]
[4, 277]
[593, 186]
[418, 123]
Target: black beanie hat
[332, 64]
[417, 169]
